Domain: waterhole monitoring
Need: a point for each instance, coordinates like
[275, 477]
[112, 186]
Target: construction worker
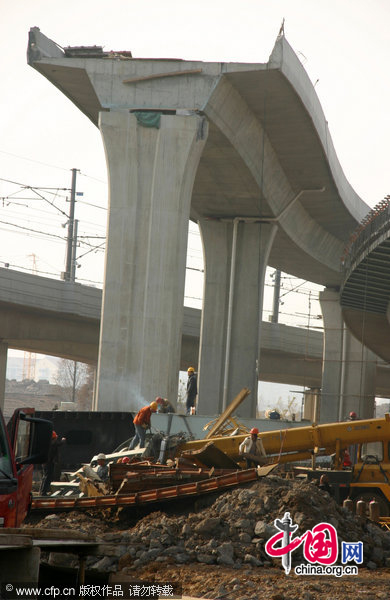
[141, 423]
[102, 470]
[164, 406]
[325, 486]
[346, 459]
[192, 390]
[252, 449]
[49, 469]
[353, 449]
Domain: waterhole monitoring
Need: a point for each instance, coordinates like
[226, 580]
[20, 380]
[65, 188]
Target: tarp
[148, 119]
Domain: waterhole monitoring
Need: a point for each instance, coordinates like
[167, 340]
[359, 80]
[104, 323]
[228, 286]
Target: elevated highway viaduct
[243, 149]
[48, 316]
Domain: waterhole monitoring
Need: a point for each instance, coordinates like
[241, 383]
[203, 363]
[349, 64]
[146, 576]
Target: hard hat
[125, 460]
[119, 461]
[54, 436]
[101, 456]
[352, 414]
[190, 370]
[159, 400]
[154, 406]
[254, 430]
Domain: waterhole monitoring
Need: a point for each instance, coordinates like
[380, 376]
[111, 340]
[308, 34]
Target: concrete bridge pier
[349, 368]
[151, 174]
[236, 255]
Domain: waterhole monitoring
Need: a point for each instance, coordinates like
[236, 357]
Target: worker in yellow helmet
[141, 423]
[192, 390]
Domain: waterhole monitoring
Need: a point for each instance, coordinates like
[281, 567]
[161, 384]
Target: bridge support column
[151, 174]
[236, 255]
[348, 373]
[3, 372]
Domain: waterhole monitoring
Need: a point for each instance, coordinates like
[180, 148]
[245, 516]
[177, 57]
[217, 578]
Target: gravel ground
[204, 581]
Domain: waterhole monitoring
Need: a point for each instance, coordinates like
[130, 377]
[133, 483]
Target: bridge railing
[374, 225]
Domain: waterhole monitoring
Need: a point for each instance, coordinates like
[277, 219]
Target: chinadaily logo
[320, 549]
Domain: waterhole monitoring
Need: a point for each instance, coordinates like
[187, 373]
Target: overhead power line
[38, 162]
[45, 233]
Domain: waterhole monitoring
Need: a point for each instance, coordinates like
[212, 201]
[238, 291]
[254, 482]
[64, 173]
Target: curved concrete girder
[229, 112]
[372, 330]
[284, 58]
[365, 294]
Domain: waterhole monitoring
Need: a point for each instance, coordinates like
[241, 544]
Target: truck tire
[384, 508]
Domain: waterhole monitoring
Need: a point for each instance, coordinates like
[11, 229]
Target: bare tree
[71, 376]
[85, 393]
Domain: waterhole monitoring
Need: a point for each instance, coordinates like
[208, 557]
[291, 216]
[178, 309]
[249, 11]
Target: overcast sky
[343, 44]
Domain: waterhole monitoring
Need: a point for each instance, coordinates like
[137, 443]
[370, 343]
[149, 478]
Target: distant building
[45, 367]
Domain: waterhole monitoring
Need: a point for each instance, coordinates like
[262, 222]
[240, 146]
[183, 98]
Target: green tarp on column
[148, 119]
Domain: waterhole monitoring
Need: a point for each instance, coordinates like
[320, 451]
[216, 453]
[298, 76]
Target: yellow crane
[368, 478]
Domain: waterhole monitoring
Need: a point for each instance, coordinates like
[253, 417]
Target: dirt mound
[220, 540]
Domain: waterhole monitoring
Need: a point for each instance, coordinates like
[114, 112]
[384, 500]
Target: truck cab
[23, 443]
[371, 474]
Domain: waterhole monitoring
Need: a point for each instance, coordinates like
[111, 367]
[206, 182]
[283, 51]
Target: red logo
[319, 544]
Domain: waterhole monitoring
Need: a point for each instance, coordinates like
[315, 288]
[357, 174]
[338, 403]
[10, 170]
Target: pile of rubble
[226, 530]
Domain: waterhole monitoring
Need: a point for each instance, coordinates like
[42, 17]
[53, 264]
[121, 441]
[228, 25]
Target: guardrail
[375, 224]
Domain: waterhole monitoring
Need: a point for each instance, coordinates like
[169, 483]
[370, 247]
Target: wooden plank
[228, 411]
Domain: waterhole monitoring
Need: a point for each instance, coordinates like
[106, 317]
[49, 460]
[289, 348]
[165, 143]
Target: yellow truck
[368, 441]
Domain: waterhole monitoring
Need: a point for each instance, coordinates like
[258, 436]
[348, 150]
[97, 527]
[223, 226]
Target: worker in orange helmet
[252, 449]
[164, 406]
[141, 423]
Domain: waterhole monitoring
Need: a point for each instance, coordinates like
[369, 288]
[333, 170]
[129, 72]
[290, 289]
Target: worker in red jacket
[141, 423]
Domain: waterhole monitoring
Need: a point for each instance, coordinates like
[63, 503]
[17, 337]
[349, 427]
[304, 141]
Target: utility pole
[74, 250]
[275, 310]
[70, 239]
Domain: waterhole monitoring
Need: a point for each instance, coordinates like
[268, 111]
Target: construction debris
[220, 522]
[228, 529]
[151, 496]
